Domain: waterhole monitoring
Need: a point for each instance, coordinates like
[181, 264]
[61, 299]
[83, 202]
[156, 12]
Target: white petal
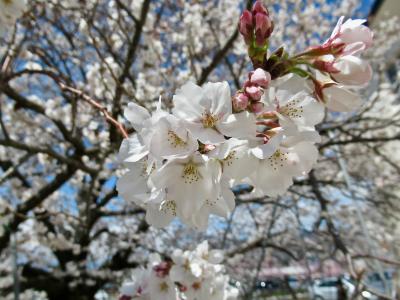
[199, 220]
[158, 217]
[187, 102]
[132, 150]
[241, 125]
[205, 135]
[223, 150]
[217, 98]
[305, 135]
[266, 150]
[272, 182]
[136, 115]
[353, 71]
[132, 186]
[171, 141]
[307, 155]
[337, 98]
[236, 159]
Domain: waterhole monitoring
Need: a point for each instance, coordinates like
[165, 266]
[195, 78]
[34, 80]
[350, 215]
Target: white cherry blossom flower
[208, 112]
[187, 268]
[274, 174]
[132, 150]
[352, 71]
[171, 139]
[299, 109]
[235, 158]
[222, 206]
[135, 186]
[189, 183]
[161, 134]
[355, 36]
[200, 218]
[132, 186]
[138, 287]
[162, 288]
[262, 148]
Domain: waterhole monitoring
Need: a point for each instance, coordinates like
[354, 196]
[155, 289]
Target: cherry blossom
[352, 34]
[192, 275]
[196, 176]
[208, 112]
[293, 104]
[352, 70]
[274, 174]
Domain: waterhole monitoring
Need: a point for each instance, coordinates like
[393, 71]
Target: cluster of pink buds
[256, 26]
[249, 97]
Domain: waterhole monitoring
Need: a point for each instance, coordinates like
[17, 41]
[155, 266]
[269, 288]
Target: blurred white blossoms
[184, 164]
[10, 11]
[191, 275]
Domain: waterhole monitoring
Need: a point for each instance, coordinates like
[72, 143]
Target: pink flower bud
[246, 26]
[254, 92]
[257, 107]
[258, 7]
[263, 23]
[263, 29]
[240, 101]
[261, 78]
[248, 83]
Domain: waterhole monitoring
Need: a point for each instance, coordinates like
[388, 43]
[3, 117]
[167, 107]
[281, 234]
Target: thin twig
[98, 106]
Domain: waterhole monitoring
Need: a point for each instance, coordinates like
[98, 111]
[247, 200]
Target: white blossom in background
[10, 11]
[191, 275]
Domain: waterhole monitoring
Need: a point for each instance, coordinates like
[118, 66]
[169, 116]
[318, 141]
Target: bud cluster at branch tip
[256, 27]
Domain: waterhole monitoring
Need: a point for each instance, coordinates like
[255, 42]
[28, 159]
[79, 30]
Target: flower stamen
[277, 159]
[209, 120]
[175, 140]
[191, 173]
[291, 111]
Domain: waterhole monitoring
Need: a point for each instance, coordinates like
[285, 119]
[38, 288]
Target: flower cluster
[184, 164]
[10, 11]
[191, 275]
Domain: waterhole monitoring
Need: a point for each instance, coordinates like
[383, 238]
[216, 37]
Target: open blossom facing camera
[183, 164]
[208, 113]
[191, 275]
